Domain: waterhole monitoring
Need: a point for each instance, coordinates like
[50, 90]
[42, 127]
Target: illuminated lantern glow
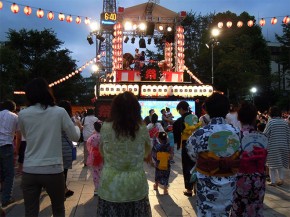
[274, 20]
[220, 25]
[87, 21]
[14, 8]
[240, 24]
[27, 10]
[229, 24]
[250, 23]
[78, 20]
[262, 22]
[40, 13]
[286, 20]
[1, 5]
[69, 19]
[61, 16]
[50, 15]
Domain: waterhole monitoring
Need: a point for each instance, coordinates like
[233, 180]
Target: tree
[241, 58]
[37, 54]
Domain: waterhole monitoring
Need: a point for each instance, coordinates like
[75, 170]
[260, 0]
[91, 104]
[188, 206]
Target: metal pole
[212, 78]
[97, 73]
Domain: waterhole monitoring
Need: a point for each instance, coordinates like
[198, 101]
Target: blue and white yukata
[214, 193]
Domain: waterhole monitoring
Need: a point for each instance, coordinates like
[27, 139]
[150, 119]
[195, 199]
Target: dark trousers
[187, 165]
[54, 186]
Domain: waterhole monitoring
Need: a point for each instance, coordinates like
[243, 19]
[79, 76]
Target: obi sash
[210, 164]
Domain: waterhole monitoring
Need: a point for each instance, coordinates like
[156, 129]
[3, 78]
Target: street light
[253, 90]
[214, 33]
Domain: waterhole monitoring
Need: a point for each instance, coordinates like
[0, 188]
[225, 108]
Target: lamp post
[213, 42]
[96, 72]
[253, 90]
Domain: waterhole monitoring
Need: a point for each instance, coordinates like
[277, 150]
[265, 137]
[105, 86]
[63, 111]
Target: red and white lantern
[61, 17]
[50, 15]
[78, 20]
[14, 8]
[239, 24]
[220, 25]
[69, 18]
[27, 10]
[286, 20]
[87, 21]
[274, 20]
[250, 23]
[229, 24]
[262, 22]
[40, 13]
[1, 5]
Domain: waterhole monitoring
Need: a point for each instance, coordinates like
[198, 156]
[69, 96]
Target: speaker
[142, 43]
[150, 28]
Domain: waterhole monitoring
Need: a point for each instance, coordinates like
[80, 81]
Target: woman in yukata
[215, 150]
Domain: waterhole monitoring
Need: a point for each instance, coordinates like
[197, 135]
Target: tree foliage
[241, 58]
[28, 54]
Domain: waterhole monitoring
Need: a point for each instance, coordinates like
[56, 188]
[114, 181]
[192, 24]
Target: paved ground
[83, 202]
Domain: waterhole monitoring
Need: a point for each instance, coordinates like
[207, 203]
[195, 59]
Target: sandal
[165, 192]
[155, 187]
[186, 193]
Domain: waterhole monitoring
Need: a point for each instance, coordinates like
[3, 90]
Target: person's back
[215, 150]
[42, 124]
[125, 143]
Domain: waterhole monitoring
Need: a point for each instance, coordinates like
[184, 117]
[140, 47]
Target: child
[95, 159]
[161, 158]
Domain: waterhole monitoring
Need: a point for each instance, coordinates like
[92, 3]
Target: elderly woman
[125, 142]
[278, 133]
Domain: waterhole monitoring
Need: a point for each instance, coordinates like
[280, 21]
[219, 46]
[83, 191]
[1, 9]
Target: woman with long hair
[125, 143]
[41, 124]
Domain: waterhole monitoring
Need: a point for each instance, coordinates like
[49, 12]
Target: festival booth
[152, 80]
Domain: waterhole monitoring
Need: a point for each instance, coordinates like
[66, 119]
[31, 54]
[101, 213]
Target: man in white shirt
[8, 129]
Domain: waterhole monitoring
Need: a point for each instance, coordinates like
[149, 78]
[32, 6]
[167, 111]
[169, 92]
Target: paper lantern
[69, 19]
[14, 8]
[50, 15]
[274, 20]
[286, 20]
[170, 91]
[240, 24]
[229, 24]
[27, 10]
[39, 13]
[262, 22]
[250, 23]
[78, 20]
[136, 89]
[87, 21]
[220, 25]
[144, 90]
[1, 5]
[61, 17]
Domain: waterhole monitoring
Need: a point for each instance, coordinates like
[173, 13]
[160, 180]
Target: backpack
[191, 124]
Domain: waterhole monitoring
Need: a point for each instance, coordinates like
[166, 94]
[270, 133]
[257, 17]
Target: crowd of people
[227, 153]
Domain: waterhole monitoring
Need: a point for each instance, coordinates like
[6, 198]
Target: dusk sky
[74, 35]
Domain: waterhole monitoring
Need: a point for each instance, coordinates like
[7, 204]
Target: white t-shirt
[88, 126]
[232, 118]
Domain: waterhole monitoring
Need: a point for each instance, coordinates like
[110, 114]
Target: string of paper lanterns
[40, 13]
[250, 23]
[79, 70]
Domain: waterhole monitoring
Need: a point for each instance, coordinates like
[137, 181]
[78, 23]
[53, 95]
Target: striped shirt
[278, 133]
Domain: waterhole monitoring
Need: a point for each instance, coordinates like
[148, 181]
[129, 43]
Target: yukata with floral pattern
[95, 159]
[161, 176]
[250, 187]
[214, 194]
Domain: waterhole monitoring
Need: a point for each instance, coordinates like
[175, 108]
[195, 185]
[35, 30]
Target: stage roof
[159, 13]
